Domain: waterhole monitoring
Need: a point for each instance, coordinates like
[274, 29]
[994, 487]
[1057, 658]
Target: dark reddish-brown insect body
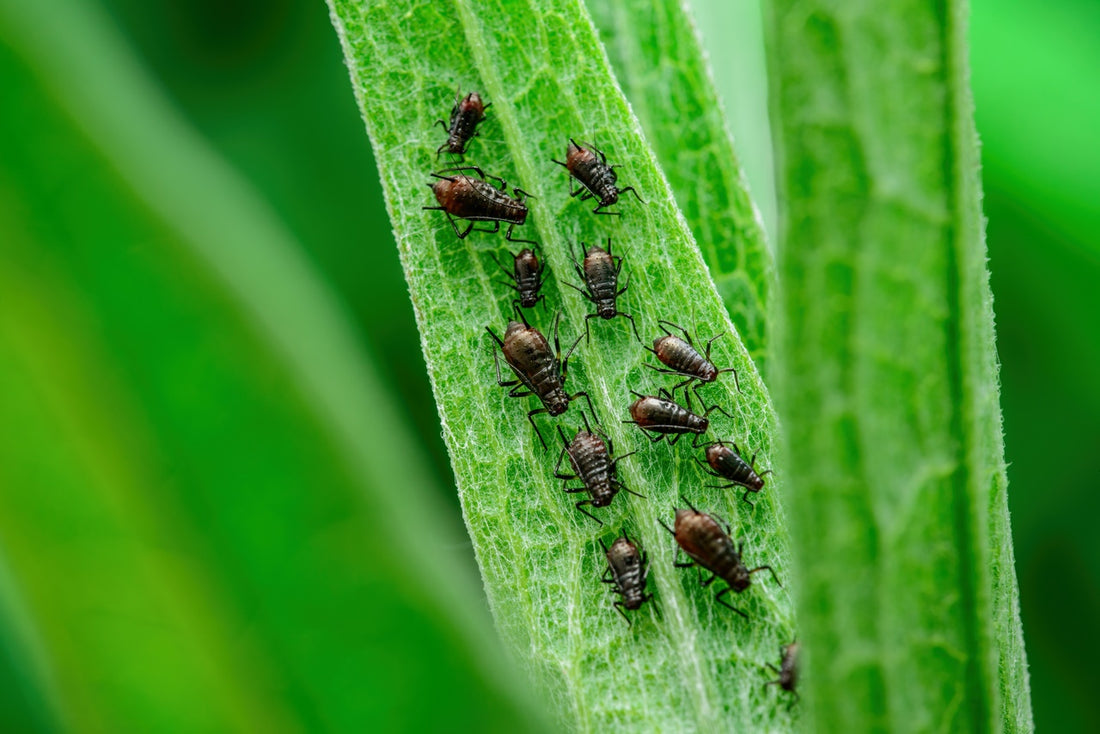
[539, 370]
[627, 569]
[726, 463]
[680, 357]
[594, 465]
[476, 200]
[465, 116]
[600, 273]
[709, 545]
[661, 416]
[527, 274]
[787, 672]
[598, 179]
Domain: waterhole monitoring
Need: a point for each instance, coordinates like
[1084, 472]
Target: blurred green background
[264, 84]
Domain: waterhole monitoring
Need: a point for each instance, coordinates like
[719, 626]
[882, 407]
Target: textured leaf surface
[698, 665]
[198, 521]
[889, 376]
[657, 59]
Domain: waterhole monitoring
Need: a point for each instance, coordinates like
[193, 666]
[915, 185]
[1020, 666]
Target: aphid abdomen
[528, 276]
[601, 277]
[588, 455]
[465, 117]
[487, 203]
[628, 570]
[683, 358]
[661, 416]
[529, 355]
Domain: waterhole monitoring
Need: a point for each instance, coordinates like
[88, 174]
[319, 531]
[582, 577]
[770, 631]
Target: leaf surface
[697, 665]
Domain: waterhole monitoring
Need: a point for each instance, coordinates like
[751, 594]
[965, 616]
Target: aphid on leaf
[709, 545]
[594, 465]
[680, 357]
[787, 672]
[465, 116]
[539, 371]
[600, 273]
[590, 167]
[661, 416]
[527, 272]
[627, 569]
[476, 200]
[726, 463]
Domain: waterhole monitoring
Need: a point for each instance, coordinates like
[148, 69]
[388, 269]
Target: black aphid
[527, 273]
[680, 357]
[600, 273]
[476, 200]
[661, 416]
[465, 116]
[539, 371]
[594, 465]
[709, 545]
[726, 463]
[627, 569]
[787, 672]
[597, 177]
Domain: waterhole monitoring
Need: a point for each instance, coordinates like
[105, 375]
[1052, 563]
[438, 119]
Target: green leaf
[207, 499]
[657, 58]
[908, 598]
[697, 664]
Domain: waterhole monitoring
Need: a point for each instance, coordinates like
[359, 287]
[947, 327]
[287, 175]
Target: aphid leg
[587, 502]
[531, 419]
[462, 169]
[632, 324]
[708, 582]
[726, 526]
[561, 458]
[745, 498]
[588, 400]
[611, 448]
[521, 194]
[461, 235]
[609, 214]
[619, 608]
[775, 670]
[682, 330]
[719, 409]
[770, 570]
[736, 380]
[631, 190]
[444, 126]
[726, 604]
[619, 485]
[508, 235]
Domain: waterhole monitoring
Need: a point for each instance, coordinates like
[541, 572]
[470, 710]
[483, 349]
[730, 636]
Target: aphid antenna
[508, 234]
[770, 570]
[604, 546]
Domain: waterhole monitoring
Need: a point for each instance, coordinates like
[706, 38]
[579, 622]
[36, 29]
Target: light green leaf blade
[889, 376]
[198, 515]
[657, 59]
[698, 666]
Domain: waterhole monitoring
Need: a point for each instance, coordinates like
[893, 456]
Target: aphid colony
[541, 371]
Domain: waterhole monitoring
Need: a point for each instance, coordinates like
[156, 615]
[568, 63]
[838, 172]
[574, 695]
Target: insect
[628, 570]
[726, 463]
[538, 370]
[662, 416]
[476, 200]
[527, 274]
[680, 357]
[590, 167]
[593, 465]
[787, 672]
[600, 274]
[709, 545]
[465, 116]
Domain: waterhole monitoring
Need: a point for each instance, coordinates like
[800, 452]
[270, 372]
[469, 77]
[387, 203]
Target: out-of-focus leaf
[908, 597]
[657, 58]
[209, 511]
